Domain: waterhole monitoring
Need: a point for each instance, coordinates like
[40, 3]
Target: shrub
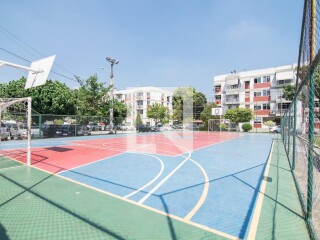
[246, 127]
[223, 127]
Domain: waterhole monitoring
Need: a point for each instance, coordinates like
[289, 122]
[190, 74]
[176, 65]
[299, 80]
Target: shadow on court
[3, 233]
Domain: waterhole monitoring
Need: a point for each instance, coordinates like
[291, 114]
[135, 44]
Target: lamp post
[112, 62]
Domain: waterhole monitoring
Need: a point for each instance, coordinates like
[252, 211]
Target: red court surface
[80, 152]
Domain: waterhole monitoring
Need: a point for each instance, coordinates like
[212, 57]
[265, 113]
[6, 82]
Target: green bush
[223, 127]
[246, 127]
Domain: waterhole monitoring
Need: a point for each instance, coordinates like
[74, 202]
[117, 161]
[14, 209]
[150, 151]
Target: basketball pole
[29, 132]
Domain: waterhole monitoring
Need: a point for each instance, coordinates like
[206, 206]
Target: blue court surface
[215, 186]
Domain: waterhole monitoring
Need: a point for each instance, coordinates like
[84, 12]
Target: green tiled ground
[36, 205]
[281, 216]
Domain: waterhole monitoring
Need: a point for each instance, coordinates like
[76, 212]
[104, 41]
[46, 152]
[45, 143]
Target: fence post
[310, 147]
[289, 127]
[294, 134]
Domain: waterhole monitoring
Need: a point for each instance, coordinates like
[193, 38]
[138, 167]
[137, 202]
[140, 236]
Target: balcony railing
[232, 100]
[233, 87]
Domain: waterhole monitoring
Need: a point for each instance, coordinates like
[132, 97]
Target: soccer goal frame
[6, 104]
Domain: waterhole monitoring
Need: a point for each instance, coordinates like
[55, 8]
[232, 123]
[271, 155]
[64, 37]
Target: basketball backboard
[216, 111]
[39, 72]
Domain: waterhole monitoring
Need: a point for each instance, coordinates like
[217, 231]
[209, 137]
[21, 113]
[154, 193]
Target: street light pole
[113, 62]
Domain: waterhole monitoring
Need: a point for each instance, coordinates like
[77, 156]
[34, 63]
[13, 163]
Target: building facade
[140, 99]
[259, 90]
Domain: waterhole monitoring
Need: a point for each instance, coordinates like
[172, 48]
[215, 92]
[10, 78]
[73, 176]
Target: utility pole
[113, 62]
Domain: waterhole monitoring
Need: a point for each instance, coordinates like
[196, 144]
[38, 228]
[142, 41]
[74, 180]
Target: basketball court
[208, 181]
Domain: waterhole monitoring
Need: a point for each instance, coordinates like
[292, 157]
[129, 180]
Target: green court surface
[281, 216]
[38, 205]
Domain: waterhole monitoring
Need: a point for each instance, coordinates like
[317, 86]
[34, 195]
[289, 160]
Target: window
[262, 93]
[218, 97]
[140, 112]
[281, 82]
[265, 93]
[266, 106]
[258, 120]
[266, 79]
[257, 80]
[263, 79]
[140, 103]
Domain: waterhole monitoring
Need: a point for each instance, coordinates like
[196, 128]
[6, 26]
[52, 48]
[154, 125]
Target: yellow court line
[146, 207]
[204, 193]
[258, 208]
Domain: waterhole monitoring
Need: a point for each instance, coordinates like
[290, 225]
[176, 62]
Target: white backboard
[40, 73]
[216, 111]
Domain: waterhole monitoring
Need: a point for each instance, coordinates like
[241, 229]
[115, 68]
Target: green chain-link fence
[301, 125]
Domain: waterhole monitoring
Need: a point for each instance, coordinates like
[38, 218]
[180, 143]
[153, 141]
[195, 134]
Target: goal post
[16, 122]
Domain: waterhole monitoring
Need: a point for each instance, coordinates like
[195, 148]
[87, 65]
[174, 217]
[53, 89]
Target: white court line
[165, 179]
[22, 165]
[154, 179]
[96, 161]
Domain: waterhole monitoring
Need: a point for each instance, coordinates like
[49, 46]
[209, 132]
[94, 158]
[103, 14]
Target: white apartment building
[260, 90]
[139, 99]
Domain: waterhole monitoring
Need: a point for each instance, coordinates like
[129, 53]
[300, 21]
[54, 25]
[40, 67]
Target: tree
[206, 114]
[158, 113]
[119, 110]
[239, 115]
[51, 98]
[289, 92]
[138, 120]
[189, 100]
[91, 99]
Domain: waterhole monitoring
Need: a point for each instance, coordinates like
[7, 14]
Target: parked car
[82, 130]
[94, 126]
[49, 130]
[69, 130]
[14, 131]
[193, 127]
[276, 129]
[35, 131]
[4, 132]
[143, 128]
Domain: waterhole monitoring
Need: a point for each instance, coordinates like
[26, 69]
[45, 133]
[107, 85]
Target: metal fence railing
[300, 124]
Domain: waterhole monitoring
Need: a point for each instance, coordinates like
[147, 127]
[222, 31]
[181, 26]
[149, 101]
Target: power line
[18, 40]
[59, 74]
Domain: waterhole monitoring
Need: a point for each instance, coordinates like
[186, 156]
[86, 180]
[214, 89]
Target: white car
[4, 134]
[276, 129]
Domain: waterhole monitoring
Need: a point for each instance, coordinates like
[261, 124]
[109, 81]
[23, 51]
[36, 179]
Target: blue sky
[164, 43]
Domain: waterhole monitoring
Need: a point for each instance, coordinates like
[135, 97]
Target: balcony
[261, 112]
[262, 85]
[261, 99]
[232, 87]
[139, 107]
[217, 89]
[139, 97]
[247, 99]
[218, 101]
[232, 100]
[257, 125]
[247, 86]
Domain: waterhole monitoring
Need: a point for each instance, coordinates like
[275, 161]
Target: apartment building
[140, 99]
[260, 90]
